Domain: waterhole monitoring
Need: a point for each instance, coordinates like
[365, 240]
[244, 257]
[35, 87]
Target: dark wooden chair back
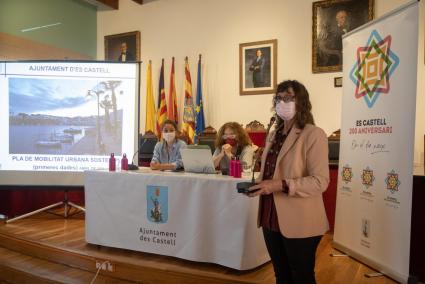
[333, 147]
[207, 137]
[147, 144]
[257, 132]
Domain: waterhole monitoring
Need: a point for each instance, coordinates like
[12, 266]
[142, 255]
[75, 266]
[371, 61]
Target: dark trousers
[293, 259]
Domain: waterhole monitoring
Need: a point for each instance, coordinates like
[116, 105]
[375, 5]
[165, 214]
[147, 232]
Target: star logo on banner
[367, 177]
[392, 181]
[347, 174]
[375, 64]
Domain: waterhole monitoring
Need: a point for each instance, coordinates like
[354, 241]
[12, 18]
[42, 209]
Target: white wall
[215, 28]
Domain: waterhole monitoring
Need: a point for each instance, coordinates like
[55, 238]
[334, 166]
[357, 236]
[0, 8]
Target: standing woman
[166, 154]
[294, 174]
[232, 142]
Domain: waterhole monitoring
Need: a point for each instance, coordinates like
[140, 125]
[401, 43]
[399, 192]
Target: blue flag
[200, 120]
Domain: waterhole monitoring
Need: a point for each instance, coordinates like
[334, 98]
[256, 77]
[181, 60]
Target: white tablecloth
[198, 217]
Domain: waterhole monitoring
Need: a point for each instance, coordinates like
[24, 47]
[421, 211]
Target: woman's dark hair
[302, 102]
[168, 121]
[241, 135]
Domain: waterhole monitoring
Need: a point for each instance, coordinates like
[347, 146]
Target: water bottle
[231, 167]
[124, 163]
[112, 163]
[237, 173]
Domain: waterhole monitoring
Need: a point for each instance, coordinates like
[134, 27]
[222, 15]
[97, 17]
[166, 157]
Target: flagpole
[200, 122]
[188, 122]
[162, 104]
[150, 104]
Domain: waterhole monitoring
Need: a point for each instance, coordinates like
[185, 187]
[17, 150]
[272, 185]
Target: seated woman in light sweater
[232, 142]
[166, 154]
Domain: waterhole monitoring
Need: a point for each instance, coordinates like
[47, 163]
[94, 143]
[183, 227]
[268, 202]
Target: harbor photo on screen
[65, 116]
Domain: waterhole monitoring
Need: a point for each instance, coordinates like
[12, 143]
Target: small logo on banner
[157, 203]
[392, 181]
[347, 174]
[375, 65]
[367, 177]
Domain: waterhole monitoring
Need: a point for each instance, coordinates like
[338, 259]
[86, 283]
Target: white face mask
[285, 111]
[169, 136]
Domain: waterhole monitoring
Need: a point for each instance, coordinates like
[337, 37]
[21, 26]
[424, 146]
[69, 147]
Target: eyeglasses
[229, 136]
[285, 98]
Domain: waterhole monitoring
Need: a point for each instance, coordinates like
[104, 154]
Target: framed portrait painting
[123, 47]
[331, 20]
[257, 67]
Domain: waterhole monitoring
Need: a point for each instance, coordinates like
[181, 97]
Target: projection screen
[60, 118]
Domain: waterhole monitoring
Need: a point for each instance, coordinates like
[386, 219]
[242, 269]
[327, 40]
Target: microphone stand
[132, 166]
[243, 187]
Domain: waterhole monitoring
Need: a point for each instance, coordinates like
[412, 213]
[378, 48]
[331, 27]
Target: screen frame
[64, 179]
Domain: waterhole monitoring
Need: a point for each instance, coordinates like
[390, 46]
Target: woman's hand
[155, 166]
[227, 149]
[266, 187]
[164, 167]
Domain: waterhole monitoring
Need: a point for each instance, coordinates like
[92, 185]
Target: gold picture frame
[258, 67]
[331, 20]
[113, 46]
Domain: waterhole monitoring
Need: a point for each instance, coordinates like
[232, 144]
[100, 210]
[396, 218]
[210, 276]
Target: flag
[200, 121]
[188, 126]
[172, 100]
[161, 115]
[150, 105]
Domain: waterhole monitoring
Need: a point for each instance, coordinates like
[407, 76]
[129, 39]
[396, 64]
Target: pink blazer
[303, 163]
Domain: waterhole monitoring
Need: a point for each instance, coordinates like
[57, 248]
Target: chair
[147, 144]
[208, 137]
[182, 135]
[257, 133]
[333, 146]
[336, 135]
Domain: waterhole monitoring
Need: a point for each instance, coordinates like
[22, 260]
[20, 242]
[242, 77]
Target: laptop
[198, 159]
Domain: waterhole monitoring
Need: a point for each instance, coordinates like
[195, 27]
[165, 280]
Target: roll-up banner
[374, 197]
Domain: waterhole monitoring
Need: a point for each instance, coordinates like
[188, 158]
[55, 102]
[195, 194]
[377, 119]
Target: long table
[197, 217]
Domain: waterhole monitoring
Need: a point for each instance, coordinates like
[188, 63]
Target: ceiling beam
[110, 3]
[104, 4]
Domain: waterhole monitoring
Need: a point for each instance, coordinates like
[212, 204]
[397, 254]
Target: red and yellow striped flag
[161, 115]
[188, 126]
[172, 99]
[150, 105]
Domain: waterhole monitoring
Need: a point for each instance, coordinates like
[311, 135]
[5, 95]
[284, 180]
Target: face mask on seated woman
[169, 136]
[230, 139]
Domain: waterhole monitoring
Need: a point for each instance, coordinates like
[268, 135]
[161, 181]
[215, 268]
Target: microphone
[243, 187]
[132, 166]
